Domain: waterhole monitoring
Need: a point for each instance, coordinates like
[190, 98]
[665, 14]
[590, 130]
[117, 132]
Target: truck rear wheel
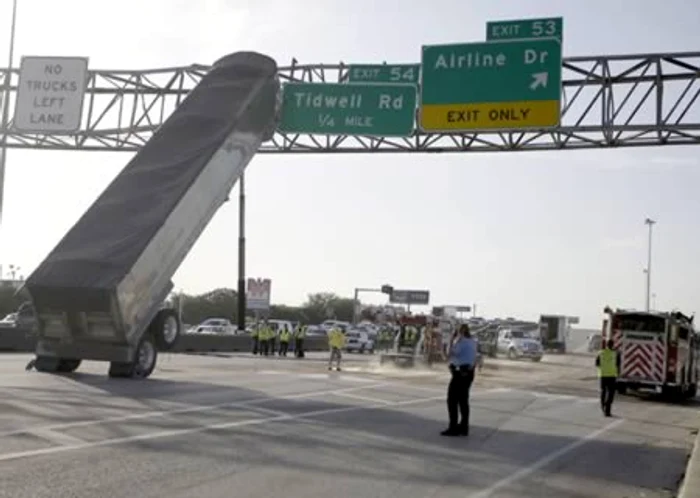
[165, 328]
[68, 365]
[144, 361]
[46, 364]
[51, 364]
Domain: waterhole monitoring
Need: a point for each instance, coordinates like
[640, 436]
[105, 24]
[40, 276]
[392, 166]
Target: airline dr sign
[258, 293]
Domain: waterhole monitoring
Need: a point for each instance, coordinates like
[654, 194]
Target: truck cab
[517, 344]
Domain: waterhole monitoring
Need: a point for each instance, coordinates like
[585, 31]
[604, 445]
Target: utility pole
[240, 315]
[650, 223]
[6, 107]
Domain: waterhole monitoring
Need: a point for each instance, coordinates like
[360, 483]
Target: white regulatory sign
[50, 94]
[258, 293]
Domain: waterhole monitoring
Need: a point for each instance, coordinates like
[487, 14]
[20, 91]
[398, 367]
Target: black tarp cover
[105, 243]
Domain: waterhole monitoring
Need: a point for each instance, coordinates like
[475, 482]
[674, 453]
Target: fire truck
[659, 351]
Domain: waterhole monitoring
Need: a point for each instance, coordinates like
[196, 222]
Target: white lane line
[191, 409]
[59, 438]
[194, 430]
[369, 399]
[544, 461]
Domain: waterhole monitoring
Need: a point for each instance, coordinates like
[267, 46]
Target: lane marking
[362, 398]
[194, 430]
[58, 438]
[191, 409]
[544, 461]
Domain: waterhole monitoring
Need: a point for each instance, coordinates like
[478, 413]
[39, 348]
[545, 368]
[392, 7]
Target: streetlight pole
[650, 223]
[6, 106]
[242, 305]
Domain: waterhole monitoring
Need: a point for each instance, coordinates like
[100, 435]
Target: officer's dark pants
[255, 345]
[607, 393]
[272, 346]
[299, 347]
[284, 347]
[458, 398]
[264, 347]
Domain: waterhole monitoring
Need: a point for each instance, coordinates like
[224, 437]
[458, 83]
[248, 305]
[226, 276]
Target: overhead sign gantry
[604, 101]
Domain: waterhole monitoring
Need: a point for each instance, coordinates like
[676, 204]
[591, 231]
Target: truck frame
[100, 293]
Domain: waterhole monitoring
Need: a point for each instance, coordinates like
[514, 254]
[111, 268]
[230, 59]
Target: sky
[519, 234]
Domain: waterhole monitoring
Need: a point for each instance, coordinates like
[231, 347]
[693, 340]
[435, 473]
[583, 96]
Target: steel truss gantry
[608, 101]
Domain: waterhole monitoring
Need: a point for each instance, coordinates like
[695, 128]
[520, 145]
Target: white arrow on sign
[539, 80]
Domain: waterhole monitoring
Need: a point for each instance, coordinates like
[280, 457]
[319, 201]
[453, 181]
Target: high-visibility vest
[300, 332]
[254, 333]
[336, 339]
[608, 363]
[284, 336]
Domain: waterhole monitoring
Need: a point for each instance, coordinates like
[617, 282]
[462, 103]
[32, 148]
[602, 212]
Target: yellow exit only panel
[490, 116]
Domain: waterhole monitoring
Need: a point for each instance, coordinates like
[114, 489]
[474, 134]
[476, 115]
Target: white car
[359, 342]
[216, 326]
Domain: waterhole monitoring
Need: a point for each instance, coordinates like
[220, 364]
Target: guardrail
[24, 341]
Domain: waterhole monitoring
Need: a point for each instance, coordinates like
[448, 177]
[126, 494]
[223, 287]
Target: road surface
[249, 427]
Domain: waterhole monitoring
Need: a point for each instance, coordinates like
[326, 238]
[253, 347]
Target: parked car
[358, 341]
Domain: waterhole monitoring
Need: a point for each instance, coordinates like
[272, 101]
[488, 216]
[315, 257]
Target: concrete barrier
[202, 343]
[24, 341]
[17, 340]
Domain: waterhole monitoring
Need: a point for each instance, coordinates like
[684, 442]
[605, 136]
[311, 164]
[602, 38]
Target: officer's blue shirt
[463, 352]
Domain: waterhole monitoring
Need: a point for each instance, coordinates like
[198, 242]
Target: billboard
[258, 293]
[50, 94]
[409, 297]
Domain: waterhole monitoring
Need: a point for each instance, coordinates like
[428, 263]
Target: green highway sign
[382, 110]
[384, 73]
[510, 84]
[551, 27]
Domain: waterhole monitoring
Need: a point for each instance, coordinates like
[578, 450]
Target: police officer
[462, 356]
[608, 363]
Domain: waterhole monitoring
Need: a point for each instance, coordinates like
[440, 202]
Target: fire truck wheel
[621, 388]
[692, 391]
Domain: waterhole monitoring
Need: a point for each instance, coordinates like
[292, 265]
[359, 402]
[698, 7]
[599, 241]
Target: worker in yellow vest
[336, 342]
[284, 341]
[264, 337]
[608, 363]
[254, 337]
[299, 336]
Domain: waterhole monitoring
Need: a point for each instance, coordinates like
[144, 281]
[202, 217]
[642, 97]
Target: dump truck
[100, 293]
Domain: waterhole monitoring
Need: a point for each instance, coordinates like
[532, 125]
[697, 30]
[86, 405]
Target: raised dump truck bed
[99, 294]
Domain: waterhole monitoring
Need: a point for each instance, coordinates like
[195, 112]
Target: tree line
[223, 302]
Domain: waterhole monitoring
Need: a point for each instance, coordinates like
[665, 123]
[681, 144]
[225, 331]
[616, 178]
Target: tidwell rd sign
[383, 110]
[551, 27]
[497, 85]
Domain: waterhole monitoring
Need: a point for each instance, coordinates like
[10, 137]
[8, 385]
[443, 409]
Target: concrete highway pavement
[250, 427]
